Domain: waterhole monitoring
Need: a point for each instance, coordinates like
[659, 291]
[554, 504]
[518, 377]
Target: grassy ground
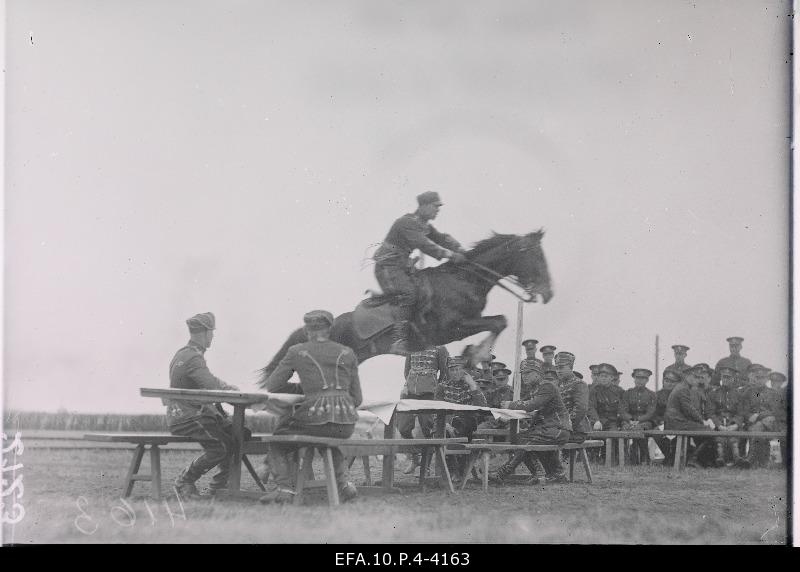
[73, 496]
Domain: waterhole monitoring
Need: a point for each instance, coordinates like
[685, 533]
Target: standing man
[393, 267]
[328, 373]
[735, 360]
[680, 364]
[423, 370]
[548, 353]
[574, 394]
[530, 350]
[202, 421]
[637, 409]
[684, 411]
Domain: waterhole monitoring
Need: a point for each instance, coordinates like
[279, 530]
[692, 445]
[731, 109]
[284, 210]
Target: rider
[393, 266]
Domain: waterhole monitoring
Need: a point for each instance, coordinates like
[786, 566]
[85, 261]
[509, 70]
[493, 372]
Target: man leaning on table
[202, 421]
[328, 373]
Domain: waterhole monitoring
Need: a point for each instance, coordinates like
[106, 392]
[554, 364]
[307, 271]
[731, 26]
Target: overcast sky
[169, 158]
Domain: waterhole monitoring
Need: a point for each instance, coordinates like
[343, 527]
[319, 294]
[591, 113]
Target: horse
[451, 299]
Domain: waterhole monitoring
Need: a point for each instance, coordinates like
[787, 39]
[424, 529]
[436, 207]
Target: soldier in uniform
[202, 421]
[530, 350]
[548, 354]
[574, 394]
[680, 364]
[393, 267]
[684, 411]
[671, 379]
[637, 410]
[550, 426]
[780, 384]
[593, 373]
[735, 360]
[495, 393]
[604, 399]
[328, 373]
[760, 405]
[422, 372]
[727, 416]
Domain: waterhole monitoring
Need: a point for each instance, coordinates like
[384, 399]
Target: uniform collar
[193, 344]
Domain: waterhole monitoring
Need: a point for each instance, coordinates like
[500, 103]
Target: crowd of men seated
[736, 395]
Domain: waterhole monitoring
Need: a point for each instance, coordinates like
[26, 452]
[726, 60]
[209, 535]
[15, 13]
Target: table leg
[609, 451]
[485, 456]
[621, 452]
[678, 452]
[571, 465]
[388, 459]
[155, 471]
[235, 483]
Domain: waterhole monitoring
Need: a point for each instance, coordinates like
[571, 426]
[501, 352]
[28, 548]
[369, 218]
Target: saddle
[377, 313]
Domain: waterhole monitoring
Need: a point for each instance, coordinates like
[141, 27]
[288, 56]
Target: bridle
[497, 277]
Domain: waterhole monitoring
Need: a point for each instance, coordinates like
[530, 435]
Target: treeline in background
[112, 422]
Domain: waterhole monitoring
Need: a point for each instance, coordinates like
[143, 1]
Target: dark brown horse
[451, 300]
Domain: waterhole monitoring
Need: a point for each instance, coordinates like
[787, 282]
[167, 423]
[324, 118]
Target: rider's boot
[400, 336]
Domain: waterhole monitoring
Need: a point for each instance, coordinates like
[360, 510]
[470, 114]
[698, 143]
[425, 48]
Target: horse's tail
[298, 336]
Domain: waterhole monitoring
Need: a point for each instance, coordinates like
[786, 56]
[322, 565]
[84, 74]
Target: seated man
[575, 394]
[760, 405]
[201, 421]
[684, 411]
[495, 393]
[726, 414]
[665, 443]
[637, 409]
[328, 374]
[604, 398]
[550, 426]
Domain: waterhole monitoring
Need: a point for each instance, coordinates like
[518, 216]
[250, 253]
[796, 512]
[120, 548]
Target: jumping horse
[451, 299]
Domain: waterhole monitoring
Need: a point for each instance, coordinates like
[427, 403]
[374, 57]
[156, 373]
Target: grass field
[72, 496]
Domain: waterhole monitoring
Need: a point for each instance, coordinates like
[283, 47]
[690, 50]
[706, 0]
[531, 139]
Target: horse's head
[529, 265]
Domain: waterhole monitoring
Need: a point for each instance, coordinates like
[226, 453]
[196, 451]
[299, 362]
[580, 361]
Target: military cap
[607, 368]
[530, 343]
[703, 367]
[593, 368]
[497, 365]
[672, 376]
[454, 361]
[728, 370]
[429, 197]
[565, 358]
[777, 376]
[734, 340]
[641, 372]
[548, 350]
[318, 319]
[204, 321]
[679, 347]
[578, 374]
[757, 368]
[504, 371]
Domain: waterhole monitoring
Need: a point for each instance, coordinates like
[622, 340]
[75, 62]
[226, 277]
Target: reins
[498, 277]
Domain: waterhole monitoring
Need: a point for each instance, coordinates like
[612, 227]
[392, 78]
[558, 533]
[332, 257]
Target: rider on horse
[393, 267]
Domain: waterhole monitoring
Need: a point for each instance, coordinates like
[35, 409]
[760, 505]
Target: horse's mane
[489, 243]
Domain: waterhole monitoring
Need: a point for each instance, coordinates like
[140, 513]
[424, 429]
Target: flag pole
[517, 387]
[655, 370]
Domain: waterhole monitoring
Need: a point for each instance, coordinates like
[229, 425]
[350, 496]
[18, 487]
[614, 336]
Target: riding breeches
[396, 281]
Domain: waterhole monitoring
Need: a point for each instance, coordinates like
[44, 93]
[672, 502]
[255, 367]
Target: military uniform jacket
[604, 401]
[677, 368]
[638, 404]
[457, 391]
[740, 364]
[662, 395]
[575, 395]
[410, 232]
[188, 370]
[423, 368]
[551, 413]
[726, 403]
[763, 401]
[328, 374]
[496, 394]
[683, 406]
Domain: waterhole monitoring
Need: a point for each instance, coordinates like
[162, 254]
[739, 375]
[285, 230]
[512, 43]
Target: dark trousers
[281, 458]
[550, 460]
[405, 421]
[216, 437]
[397, 281]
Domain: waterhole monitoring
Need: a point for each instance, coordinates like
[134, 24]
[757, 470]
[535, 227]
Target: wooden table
[240, 401]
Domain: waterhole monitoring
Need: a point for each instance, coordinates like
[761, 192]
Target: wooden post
[655, 370]
[517, 383]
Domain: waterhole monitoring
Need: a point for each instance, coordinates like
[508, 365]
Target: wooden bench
[484, 451]
[617, 438]
[682, 442]
[153, 440]
[307, 445]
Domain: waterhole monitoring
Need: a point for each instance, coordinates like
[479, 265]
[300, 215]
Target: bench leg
[367, 476]
[330, 477]
[388, 460]
[473, 456]
[621, 452]
[306, 458]
[133, 469]
[678, 452]
[445, 476]
[423, 467]
[609, 452]
[587, 468]
[155, 471]
[253, 473]
[572, 465]
[486, 457]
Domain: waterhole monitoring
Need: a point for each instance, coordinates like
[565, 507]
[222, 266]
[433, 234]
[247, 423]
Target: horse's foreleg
[493, 324]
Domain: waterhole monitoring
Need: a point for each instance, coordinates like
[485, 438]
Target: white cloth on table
[385, 409]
